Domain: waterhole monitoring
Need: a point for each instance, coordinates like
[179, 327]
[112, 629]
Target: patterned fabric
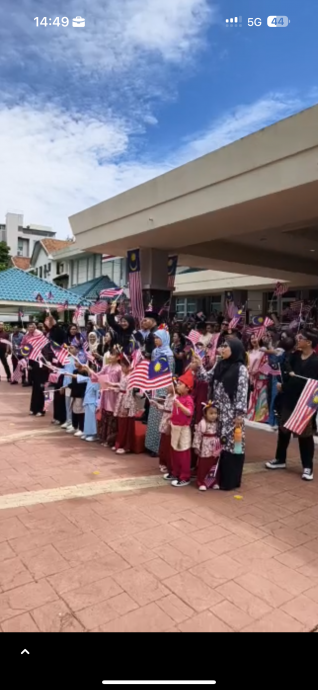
[228, 410]
[153, 434]
[206, 440]
[107, 428]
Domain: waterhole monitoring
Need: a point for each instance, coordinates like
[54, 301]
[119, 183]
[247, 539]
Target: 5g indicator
[277, 21]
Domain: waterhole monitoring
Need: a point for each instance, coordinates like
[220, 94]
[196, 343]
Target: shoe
[121, 451]
[31, 414]
[114, 448]
[308, 475]
[39, 414]
[216, 487]
[275, 465]
[14, 383]
[180, 482]
[78, 433]
[202, 487]
[90, 439]
[70, 430]
[55, 422]
[168, 477]
[65, 425]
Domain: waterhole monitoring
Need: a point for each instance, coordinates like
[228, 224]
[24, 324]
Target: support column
[154, 277]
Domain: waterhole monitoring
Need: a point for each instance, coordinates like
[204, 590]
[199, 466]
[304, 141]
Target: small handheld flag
[305, 409]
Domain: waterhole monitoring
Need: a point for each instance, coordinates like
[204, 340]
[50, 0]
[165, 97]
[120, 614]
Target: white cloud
[53, 164]
[117, 32]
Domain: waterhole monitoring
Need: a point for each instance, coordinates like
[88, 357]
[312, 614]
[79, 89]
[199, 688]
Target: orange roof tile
[52, 246]
[21, 262]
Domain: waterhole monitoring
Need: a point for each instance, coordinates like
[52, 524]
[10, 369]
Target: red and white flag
[281, 289]
[305, 409]
[260, 332]
[99, 307]
[194, 337]
[38, 342]
[110, 293]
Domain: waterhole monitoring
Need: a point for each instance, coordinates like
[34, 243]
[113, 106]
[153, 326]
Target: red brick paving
[151, 560]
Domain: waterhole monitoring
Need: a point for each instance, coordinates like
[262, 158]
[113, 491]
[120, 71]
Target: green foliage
[4, 256]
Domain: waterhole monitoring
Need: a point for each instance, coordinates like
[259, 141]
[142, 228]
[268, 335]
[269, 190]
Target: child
[125, 410]
[67, 380]
[207, 446]
[182, 413]
[77, 404]
[109, 378]
[90, 404]
[165, 429]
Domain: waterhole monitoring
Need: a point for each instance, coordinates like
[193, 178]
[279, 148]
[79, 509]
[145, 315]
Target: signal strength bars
[234, 21]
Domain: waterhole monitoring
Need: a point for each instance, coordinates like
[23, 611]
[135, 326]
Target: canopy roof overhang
[249, 208]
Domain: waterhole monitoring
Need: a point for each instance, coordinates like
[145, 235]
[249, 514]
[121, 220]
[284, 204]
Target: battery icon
[277, 21]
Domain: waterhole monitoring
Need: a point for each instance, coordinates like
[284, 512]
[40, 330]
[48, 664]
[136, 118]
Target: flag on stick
[34, 347]
[149, 376]
[281, 289]
[135, 284]
[110, 293]
[48, 399]
[306, 407]
[99, 307]
[194, 336]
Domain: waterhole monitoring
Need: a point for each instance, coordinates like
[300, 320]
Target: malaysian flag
[135, 285]
[149, 376]
[79, 312]
[305, 409]
[17, 373]
[49, 295]
[99, 307]
[34, 347]
[111, 293]
[260, 332]
[172, 270]
[38, 297]
[63, 307]
[231, 310]
[61, 354]
[194, 337]
[20, 314]
[48, 399]
[280, 289]
[237, 318]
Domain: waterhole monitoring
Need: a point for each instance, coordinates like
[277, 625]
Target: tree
[4, 256]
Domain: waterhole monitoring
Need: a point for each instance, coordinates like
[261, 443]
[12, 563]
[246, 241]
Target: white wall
[44, 260]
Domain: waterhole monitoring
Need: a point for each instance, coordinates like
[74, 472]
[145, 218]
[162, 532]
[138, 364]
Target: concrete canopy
[250, 207]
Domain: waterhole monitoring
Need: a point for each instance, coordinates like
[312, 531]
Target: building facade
[21, 239]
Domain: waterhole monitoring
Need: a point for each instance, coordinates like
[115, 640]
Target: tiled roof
[21, 262]
[52, 246]
[92, 288]
[18, 286]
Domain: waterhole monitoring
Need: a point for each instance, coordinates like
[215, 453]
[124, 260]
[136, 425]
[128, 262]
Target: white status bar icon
[78, 21]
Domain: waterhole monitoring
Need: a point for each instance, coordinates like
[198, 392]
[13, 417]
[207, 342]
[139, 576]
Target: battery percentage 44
[277, 21]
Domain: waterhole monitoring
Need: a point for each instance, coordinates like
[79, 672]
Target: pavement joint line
[64, 493]
[89, 489]
[26, 434]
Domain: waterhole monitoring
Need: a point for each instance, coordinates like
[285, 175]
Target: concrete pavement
[90, 541]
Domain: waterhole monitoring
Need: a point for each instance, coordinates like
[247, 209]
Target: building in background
[21, 239]
[44, 263]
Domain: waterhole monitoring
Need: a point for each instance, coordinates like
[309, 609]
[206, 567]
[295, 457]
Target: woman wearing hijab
[162, 349]
[124, 329]
[228, 390]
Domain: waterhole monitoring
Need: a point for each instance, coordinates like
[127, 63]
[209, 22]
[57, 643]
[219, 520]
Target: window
[59, 268]
[216, 303]
[185, 306]
[40, 272]
[20, 246]
[180, 308]
[49, 268]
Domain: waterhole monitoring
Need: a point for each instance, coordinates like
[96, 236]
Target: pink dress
[107, 426]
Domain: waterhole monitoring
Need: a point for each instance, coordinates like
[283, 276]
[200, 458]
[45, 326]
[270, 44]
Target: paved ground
[90, 541]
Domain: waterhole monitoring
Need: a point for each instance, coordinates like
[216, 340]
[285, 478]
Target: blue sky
[86, 113]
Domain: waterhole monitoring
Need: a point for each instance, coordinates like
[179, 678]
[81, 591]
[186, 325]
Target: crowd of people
[195, 426]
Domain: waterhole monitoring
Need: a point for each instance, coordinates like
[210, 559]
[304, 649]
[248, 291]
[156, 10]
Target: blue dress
[90, 404]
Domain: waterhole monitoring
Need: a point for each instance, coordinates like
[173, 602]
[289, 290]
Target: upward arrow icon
[25, 651]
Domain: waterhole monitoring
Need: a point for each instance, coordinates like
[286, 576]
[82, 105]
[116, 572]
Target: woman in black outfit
[124, 329]
[304, 363]
[177, 346]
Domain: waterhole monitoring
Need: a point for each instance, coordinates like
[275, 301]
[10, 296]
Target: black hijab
[227, 370]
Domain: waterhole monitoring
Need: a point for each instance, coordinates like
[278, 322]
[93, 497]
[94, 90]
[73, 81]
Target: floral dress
[228, 409]
[153, 434]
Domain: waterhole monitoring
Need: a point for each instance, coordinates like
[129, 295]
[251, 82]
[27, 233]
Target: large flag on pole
[33, 349]
[135, 284]
[305, 409]
[172, 270]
